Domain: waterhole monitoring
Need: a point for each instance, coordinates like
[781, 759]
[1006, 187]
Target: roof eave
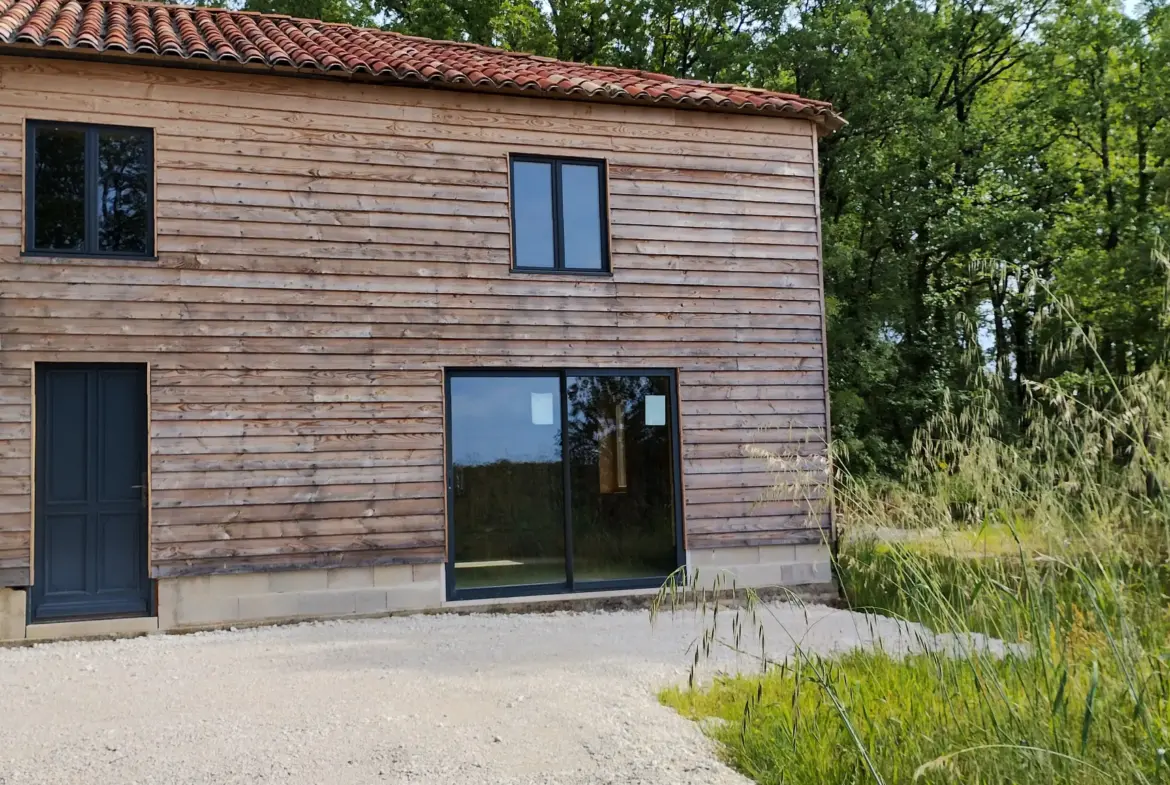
[826, 120]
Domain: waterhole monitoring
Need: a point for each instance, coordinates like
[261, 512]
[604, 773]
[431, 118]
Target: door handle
[141, 491]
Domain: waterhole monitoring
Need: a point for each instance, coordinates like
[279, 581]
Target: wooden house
[304, 320]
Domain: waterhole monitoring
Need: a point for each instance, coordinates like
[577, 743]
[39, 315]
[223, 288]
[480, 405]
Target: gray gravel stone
[470, 699]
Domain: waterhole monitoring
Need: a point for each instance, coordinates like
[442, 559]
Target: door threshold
[576, 600]
[91, 628]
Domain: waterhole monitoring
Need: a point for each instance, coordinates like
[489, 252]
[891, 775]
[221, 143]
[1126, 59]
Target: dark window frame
[556, 162]
[89, 245]
[570, 585]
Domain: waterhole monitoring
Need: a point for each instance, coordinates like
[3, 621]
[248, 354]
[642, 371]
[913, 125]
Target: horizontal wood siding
[326, 249]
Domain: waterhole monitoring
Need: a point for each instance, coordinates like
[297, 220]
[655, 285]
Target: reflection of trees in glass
[59, 188]
[620, 529]
[593, 401]
[123, 188]
[118, 196]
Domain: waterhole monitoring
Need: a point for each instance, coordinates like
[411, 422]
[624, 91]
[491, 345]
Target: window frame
[556, 162]
[571, 584]
[89, 247]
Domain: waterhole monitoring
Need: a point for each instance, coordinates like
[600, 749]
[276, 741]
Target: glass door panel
[621, 470]
[507, 483]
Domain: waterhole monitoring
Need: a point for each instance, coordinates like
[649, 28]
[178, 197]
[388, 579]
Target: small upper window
[558, 215]
[89, 190]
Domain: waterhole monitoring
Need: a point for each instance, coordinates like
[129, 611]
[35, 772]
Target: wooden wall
[326, 249]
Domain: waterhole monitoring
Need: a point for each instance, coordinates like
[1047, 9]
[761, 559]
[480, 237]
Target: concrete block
[795, 574]
[269, 606]
[778, 554]
[427, 573]
[370, 601]
[238, 585]
[93, 628]
[414, 596]
[13, 612]
[168, 602]
[812, 552]
[724, 557]
[326, 603]
[198, 608]
[350, 578]
[758, 576]
[393, 575]
[197, 586]
[822, 572]
[298, 581]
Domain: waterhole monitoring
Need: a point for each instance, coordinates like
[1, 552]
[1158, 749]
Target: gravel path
[465, 699]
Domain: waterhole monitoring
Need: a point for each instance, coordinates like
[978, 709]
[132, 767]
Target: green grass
[1082, 706]
[1052, 535]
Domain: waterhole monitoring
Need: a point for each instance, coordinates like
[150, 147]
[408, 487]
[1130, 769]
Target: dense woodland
[1005, 163]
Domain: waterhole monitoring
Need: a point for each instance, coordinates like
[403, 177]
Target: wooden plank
[236, 532]
[213, 516]
[14, 467]
[321, 394]
[293, 379]
[296, 561]
[292, 461]
[260, 444]
[405, 349]
[289, 545]
[693, 466]
[14, 559]
[167, 292]
[209, 478]
[575, 357]
[15, 576]
[15, 522]
[790, 405]
[293, 411]
[305, 329]
[737, 539]
[770, 523]
[218, 497]
[735, 448]
[299, 428]
[758, 478]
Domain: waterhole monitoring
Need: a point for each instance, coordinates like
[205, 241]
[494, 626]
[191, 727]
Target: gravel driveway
[465, 699]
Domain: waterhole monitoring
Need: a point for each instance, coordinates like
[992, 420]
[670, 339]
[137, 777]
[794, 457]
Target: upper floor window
[559, 215]
[89, 190]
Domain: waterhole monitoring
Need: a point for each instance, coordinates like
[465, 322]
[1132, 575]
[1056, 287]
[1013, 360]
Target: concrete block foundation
[762, 566]
[297, 594]
[13, 612]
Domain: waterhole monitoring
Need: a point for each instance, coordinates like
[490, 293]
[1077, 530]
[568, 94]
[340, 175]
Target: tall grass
[1053, 536]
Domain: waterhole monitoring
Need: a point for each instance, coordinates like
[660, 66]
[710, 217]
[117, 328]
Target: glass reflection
[59, 188]
[622, 477]
[507, 481]
[123, 191]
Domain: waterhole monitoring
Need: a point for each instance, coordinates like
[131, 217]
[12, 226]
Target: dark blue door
[91, 531]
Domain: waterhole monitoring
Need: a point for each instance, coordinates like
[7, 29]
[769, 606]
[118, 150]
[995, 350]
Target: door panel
[622, 475]
[91, 524]
[507, 481]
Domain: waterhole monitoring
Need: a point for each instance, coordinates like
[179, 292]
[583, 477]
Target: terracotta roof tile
[274, 40]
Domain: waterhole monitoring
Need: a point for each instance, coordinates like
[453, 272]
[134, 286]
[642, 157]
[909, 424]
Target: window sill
[553, 271]
[78, 255]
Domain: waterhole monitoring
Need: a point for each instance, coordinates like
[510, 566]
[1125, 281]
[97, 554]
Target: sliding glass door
[561, 481]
